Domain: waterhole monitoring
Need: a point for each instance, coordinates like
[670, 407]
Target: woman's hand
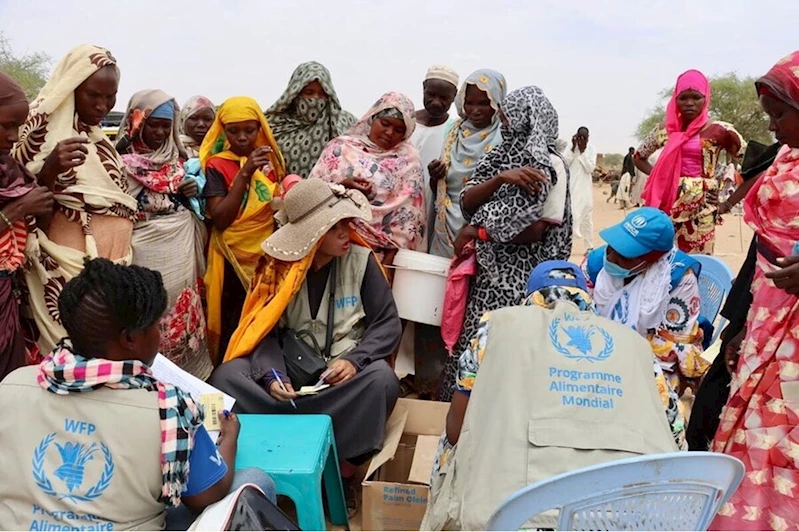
[388, 257]
[37, 202]
[276, 391]
[229, 426]
[67, 154]
[787, 277]
[712, 197]
[731, 351]
[257, 159]
[438, 171]
[526, 178]
[724, 208]
[188, 188]
[360, 184]
[340, 372]
[468, 233]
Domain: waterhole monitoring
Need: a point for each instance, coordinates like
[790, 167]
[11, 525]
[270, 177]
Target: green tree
[733, 100]
[29, 70]
[612, 161]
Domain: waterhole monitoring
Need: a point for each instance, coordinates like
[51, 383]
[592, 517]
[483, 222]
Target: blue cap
[546, 274]
[643, 231]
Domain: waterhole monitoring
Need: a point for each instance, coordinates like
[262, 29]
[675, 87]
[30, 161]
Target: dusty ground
[732, 237]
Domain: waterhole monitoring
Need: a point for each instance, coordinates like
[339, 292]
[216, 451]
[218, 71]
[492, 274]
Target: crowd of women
[256, 275]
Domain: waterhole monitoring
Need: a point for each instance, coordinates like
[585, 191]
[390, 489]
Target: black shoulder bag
[306, 363]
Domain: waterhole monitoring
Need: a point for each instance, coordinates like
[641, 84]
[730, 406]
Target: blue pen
[283, 387]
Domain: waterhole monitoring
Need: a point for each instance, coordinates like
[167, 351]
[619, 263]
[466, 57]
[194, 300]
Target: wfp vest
[84, 461]
[348, 327]
[557, 390]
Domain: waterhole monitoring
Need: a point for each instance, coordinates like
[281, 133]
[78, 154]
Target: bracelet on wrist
[482, 234]
[6, 220]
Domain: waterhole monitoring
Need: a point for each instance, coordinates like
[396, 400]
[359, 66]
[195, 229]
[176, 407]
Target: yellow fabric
[239, 109]
[275, 284]
[240, 243]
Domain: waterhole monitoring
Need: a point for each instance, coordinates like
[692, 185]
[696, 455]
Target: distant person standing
[433, 122]
[581, 160]
[623, 194]
[628, 166]
[639, 182]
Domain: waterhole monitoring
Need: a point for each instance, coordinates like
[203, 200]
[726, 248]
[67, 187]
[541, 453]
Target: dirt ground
[732, 237]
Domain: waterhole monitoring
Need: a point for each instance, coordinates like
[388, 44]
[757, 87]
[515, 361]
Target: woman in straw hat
[290, 291]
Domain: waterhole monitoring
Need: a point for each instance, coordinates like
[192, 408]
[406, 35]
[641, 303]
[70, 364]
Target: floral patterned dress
[694, 219]
[397, 196]
[168, 237]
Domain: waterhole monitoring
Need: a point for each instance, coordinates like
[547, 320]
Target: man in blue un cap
[546, 387]
[641, 279]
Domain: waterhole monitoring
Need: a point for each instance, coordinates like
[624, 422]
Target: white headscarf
[640, 304]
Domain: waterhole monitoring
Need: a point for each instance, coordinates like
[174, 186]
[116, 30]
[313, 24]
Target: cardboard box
[397, 482]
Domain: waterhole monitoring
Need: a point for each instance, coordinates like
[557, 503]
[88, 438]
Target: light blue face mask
[614, 270]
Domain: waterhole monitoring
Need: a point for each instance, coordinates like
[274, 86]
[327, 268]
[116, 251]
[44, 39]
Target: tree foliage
[29, 70]
[612, 161]
[733, 99]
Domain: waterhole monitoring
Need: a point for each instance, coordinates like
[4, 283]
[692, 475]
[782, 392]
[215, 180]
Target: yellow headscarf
[240, 243]
[239, 109]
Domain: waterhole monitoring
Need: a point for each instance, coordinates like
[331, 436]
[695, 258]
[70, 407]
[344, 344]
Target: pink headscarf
[661, 187]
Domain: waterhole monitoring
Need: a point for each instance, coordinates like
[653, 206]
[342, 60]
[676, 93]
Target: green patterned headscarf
[304, 126]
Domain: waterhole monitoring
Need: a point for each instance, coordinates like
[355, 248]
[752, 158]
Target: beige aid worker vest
[87, 461]
[557, 390]
[348, 315]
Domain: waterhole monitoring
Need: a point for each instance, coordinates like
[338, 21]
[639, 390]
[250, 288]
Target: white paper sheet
[311, 390]
[405, 363]
[167, 371]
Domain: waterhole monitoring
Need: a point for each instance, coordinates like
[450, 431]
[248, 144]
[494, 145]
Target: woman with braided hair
[96, 418]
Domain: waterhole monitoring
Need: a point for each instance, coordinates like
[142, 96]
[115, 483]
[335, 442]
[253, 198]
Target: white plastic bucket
[420, 280]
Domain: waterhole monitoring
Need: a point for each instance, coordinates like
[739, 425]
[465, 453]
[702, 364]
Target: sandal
[407, 386]
[351, 496]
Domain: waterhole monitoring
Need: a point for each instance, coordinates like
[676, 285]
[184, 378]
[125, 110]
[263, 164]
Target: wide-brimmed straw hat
[309, 210]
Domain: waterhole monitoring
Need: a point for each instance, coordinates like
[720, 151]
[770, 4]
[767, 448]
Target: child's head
[113, 312]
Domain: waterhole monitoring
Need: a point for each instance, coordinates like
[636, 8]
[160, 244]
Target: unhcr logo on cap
[632, 227]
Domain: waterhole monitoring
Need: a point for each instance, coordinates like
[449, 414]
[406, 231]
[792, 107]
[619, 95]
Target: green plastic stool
[299, 453]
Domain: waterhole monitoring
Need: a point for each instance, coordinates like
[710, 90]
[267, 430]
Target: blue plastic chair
[715, 282]
[299, 453]
[673, 491]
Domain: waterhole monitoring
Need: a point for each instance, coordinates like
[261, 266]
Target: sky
[601, 63]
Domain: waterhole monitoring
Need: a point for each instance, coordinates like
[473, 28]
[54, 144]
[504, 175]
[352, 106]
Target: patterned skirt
[695, 220]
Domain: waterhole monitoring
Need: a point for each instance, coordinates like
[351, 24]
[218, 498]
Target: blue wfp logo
[578, 341]
[77, 462]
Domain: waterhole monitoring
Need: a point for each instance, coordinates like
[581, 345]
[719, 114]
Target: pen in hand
[283, 387]
[322, 379]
